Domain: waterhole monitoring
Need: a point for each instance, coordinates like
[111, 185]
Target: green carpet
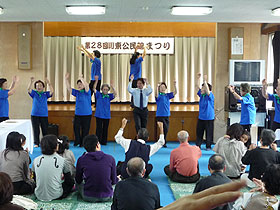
[181, 189]
[72, 202]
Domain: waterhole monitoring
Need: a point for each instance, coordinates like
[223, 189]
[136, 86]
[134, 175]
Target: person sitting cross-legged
[135, 192]
[184, 161]
[96, 172]
[216, 166]
[138, 148]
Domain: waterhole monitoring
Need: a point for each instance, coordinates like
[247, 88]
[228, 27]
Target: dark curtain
[276, 56]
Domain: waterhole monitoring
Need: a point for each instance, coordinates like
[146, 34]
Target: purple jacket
[98, 170]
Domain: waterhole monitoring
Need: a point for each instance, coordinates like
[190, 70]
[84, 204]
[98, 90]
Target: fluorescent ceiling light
[276, 11]
[1, 10]
[191, 10]
[85, 10]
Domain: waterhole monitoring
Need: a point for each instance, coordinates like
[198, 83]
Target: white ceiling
[132, 10]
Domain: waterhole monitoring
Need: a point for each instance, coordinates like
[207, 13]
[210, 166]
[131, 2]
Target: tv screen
[247, 71]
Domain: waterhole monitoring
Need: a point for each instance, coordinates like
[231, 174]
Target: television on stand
[246, 71]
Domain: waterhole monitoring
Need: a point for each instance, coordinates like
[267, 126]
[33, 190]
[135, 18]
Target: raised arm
[197, 84]
[175, 88]
[13, 85]
[236, 96]
[144, 53]
[206, 85]
[86, 85]
[156, 146]
[68, 86]
[87, 53]
[157, 90]
[129, 87]
[113, 89]
[135, 49]
[209, 198]
[29, 89]
[125, 143]
[264, 89]
[149, 88]
[50, 86]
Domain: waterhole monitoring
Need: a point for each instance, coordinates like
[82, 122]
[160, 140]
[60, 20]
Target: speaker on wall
[24, 46]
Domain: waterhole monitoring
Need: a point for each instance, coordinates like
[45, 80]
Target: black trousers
[176, 177]
[3, 119]
[102, 130]
[165, 121]
[122, 171]
[38, 122]
[91, 84]
[81, 123]
[247, 127]
[23, 188]
[275, 125]
[134, 85]
[204, 125]
[140, 118]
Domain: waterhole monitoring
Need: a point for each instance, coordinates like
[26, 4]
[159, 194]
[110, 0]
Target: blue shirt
[95, 68]
[206, 106]
[248, 110]
[40, 104]
[83, 102]
[135, 92]
[136, 68]
[277, 107]
[163, 104]
[103, 106]
[4, 103]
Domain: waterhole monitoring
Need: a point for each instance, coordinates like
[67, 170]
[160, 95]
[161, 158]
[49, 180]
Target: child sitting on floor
[64, 151]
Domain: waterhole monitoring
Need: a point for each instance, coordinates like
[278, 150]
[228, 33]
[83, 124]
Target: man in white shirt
[138, 148]
[140, 101]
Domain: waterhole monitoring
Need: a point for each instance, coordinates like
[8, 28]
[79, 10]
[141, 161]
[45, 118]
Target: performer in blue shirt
[140, 100]
[136, 67]
[102, 111]
[95, 68]
[4, 94]
[276, 100]
[206, 113]
[83, 109]
[163, 106]
[248, 109]
[39, 113]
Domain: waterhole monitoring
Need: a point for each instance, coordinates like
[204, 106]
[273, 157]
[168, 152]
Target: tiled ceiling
[141, 10]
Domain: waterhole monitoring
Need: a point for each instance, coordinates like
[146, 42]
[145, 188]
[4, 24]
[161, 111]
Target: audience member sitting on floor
[232, 150]
[216, 167]
[64, 151]
[135, 192]
[184, 161]
[268, 187]
[259, 158]
[96, 172]
[246, 138]
[6, 193]
[138, 148]
[51, 171]
[15, 161]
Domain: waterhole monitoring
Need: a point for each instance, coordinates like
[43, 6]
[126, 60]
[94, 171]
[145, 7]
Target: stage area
[183, 117]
